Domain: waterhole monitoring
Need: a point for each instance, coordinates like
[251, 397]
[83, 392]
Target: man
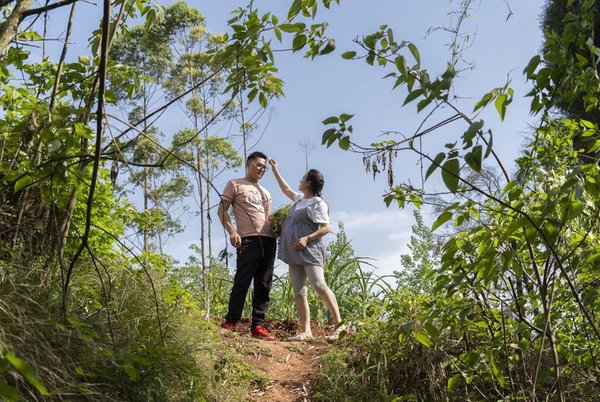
[254, 242]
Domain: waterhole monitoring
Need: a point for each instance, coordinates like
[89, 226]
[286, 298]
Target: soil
[291, 366]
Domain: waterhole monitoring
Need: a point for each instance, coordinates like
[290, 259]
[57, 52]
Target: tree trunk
[9, 28]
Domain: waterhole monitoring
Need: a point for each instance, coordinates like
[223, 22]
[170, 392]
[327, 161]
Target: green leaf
[252, 94]
[344, 117]
[471, 132]
[327, 136]
[415, 52]
[8, 393]
[496, 370]
[474, 157]
[54, 146]
[432, 329]
[501, 105]
[290, 28]
[84, 131]
[450, 174]
[329, 47]
[434, 165]
[423, 104]
[23, 182]
[412, 96]
[344, 143]
[26, 371]
[294, 9]
[423, 338]
[331, 120]
[130, 371]
[400, 63]
[298, 42]
[532, 65]
[349, 54]
[487, 98]
[262, 99]
[450, 72]
[443, 218]
[452, 381]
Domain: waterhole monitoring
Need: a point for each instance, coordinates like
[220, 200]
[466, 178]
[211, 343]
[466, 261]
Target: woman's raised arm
[285, 188]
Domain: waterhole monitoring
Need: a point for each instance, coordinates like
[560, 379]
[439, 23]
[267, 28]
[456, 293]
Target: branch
[98, 148]
[40, 10]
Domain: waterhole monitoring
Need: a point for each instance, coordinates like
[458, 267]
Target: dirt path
[290, 366]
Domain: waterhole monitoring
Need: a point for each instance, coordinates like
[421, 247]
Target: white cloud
[382, 236]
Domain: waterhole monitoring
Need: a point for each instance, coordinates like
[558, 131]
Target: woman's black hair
[316, 180]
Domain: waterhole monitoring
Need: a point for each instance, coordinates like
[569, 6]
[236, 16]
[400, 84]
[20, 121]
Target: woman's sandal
[335, 335]
[301, 337]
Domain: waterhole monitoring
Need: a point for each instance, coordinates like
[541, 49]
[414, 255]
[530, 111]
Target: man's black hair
[254, 155]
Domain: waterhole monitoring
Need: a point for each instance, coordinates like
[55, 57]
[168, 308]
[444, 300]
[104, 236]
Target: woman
[301, 247]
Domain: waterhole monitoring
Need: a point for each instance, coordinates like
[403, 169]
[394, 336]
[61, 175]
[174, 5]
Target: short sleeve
[298, 196]
[319, 212]
[229, 192]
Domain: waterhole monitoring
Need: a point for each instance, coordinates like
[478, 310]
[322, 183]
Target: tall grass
[121, 341]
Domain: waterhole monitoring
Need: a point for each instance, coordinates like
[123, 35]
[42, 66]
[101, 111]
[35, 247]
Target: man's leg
[263, 280]
[247, 262]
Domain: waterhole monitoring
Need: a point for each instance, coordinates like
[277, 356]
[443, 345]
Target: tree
[569, 98]
[423, 260]
[151, 52]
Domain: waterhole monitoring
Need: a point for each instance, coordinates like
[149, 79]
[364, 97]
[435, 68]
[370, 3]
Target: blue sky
[329, 85]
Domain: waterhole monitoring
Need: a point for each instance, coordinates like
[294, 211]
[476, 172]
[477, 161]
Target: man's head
[256, 166]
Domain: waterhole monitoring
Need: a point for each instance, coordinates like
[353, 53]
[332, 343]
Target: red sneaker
[229, 326]
[260, 332]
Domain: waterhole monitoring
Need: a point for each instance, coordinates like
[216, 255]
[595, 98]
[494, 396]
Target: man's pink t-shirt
[251, 207]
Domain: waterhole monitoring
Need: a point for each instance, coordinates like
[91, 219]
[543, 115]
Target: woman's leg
[317, 280]
[298, 280]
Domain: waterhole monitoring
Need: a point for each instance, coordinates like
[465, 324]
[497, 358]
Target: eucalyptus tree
[206, 158]
[423, 260]
[153, 52]
[208, 111]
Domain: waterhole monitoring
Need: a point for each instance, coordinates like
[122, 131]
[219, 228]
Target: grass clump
[125, 342]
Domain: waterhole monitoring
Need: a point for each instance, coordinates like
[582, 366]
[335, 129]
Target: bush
[278, 217]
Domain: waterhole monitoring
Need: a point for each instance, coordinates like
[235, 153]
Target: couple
[299, 245]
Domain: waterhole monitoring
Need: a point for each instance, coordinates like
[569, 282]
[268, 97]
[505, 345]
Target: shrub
[278, 217]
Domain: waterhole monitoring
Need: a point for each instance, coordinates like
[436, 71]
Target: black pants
[255, 261]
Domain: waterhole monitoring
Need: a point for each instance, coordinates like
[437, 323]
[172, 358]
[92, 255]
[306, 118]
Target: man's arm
[234, 237]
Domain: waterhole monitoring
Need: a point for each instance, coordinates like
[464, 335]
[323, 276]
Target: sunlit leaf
[443, 218]
[423, 338]
[450, 174]
[26, 371]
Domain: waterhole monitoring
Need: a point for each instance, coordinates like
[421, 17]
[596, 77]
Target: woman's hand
[273, 163]
[301, 243]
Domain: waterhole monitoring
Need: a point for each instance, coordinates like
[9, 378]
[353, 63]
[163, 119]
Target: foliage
[278, 217]
[512, 308]
[387, 355]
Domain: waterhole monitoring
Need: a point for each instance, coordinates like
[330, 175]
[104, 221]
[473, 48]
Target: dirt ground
[290, 366]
